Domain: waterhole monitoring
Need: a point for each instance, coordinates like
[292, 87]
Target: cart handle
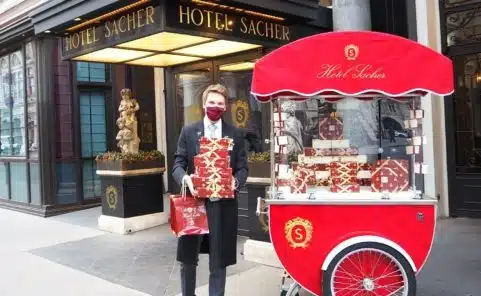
[258, 207]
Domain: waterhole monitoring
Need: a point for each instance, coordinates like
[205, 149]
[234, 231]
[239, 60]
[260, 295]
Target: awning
[356, 64]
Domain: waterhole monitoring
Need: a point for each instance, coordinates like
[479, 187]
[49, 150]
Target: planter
[128, 165]
[260, 169]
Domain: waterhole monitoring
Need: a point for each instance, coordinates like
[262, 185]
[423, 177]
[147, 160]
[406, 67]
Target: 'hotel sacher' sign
[227, 22]
[135, 24]
[191, 19]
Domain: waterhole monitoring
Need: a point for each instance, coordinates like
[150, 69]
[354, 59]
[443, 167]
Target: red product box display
[207, 172]
[308, 151]
[331, 128]
[390, 176]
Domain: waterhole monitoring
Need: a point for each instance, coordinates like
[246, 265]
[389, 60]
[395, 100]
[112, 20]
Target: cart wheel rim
[369, 272]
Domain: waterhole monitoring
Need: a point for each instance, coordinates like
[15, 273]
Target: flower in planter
[257, 157]
[153, 155]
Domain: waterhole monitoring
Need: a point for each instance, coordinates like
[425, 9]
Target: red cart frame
[344, 244]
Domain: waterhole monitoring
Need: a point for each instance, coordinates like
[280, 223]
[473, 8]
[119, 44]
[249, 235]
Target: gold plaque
[298, 232]
[112, 196]
[240, 113]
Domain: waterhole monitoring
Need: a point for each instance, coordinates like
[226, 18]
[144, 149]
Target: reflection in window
[12, 112]
[4, 180]
[92, 122]
[92, 72]
[18, 179]
[93, 138]
[245, 110]
[66, 183]
[32, 127]
[463, 27]
[467, 108]
[189, 89]
[35, 195]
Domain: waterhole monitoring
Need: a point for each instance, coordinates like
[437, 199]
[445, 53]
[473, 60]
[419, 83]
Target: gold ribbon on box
[212, 184]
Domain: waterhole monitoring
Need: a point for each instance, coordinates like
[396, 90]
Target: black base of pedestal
[258, 225]
[131, 196]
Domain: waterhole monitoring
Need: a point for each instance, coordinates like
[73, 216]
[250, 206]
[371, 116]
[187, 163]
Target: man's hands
[187, 180]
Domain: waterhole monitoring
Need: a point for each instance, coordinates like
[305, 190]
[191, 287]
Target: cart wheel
[370, 269]
[294, 290]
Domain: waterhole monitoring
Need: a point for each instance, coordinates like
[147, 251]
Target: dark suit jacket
[221, 242]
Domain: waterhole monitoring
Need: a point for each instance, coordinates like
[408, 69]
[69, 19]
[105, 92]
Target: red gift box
[308, 175]
[283, 182]
[216, 144]
[331, 128]
[200, 161]
[344, 180]
[213, 187]
[214, 172]
[187, 216]
[207, 152]
[345, 188]
[298, 185]
[218, 192]
[390, 176]
[344, 169]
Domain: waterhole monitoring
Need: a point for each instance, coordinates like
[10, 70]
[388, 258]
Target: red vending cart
[347, 213]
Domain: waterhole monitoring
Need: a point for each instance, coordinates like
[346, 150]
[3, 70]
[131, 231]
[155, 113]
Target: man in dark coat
[221, 242]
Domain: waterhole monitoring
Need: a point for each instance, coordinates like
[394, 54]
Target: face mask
[214, 113]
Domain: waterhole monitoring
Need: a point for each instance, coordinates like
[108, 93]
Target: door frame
[172, 119]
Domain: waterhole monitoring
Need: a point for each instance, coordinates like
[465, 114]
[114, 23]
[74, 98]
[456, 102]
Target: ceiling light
[243, 66]
[77, 19]
[216, 48]
[48, 31]
[163, 60]
[112, 55]
[164, 41]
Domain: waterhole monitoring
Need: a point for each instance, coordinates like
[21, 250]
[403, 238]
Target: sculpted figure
[127, 137]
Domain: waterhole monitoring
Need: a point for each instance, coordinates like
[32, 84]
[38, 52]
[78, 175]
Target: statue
[127, 137]
[293, 128]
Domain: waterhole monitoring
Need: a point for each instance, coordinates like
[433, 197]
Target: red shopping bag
[187, 215]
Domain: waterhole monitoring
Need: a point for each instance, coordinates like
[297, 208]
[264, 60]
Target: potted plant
[126, 161]
[259, 165]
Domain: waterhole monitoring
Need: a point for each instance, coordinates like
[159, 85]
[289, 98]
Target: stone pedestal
[132, 200]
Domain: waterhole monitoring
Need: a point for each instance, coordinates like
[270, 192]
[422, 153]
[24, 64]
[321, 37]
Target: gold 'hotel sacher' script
[360, 71]
[125, 23]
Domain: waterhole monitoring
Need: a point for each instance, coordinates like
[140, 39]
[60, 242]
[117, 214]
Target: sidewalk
[66, 255]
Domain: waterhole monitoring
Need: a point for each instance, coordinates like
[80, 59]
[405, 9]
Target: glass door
[244, 111]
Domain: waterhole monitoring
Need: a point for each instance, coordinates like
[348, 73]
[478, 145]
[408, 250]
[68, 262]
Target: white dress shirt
[207, 128]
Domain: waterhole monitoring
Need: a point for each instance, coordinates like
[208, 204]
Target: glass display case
[347, 147]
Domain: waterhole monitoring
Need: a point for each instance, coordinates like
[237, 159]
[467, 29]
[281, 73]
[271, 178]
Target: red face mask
[214, 113]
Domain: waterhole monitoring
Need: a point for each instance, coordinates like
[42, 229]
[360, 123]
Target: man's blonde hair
[217, 88]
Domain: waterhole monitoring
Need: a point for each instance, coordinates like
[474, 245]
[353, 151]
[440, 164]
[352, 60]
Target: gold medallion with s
[112, 196]
[298, 232]
[240, 113]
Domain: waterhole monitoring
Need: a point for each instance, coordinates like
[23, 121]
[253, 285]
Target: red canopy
[357, 64]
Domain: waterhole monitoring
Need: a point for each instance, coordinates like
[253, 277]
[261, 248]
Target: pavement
[66, 255]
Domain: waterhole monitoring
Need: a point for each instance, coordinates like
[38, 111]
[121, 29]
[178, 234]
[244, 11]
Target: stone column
[360, 121]
[350, 15]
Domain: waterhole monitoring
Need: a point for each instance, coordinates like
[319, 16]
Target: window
[32, 119]
[92, 72]
[12, 110]
[93, 138]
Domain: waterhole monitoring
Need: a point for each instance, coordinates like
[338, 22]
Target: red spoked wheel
[369, 269]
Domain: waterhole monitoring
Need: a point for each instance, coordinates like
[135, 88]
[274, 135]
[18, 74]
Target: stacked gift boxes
[213, 174]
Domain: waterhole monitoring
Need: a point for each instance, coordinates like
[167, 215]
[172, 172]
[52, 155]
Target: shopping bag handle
[183, 189]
